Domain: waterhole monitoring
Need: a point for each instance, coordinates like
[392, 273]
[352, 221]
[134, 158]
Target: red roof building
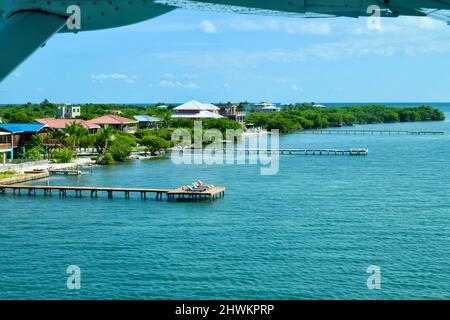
[115, 121]
[63, 123]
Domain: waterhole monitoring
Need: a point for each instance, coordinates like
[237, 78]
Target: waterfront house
[61, 124]
[267, 107]
[197, 110]
[15, 137]
[117, 122]
[145, 121]
[198, 116]
[6, 147]
[231, 112]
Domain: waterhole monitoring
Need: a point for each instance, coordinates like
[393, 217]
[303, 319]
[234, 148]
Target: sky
[220, 57]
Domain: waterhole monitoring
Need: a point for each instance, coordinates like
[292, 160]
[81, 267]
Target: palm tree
[73, 134]
[167, 116]
[104, 137]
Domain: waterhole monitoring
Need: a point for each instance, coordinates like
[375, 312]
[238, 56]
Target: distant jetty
[388, 132]
[312, 151]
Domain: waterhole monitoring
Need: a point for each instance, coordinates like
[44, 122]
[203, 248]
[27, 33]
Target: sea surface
[308, 232]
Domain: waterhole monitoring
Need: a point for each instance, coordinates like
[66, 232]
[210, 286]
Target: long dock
[367, 131]
[343, 152]
[172, 194]
[65, 172]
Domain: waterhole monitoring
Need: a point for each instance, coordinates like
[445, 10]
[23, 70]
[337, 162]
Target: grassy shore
[9, 174]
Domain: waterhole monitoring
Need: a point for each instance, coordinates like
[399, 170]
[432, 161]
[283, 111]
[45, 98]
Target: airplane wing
[439, 9]
[443, 15]
[22, 34]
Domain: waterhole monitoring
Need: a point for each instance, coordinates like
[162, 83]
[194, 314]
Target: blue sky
[217, 57]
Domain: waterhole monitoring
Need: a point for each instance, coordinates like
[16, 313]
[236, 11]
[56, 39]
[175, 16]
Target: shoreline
[85, 161]
[35, 166]
[20, 178]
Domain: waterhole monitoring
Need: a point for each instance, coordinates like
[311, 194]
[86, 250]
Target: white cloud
[208, 26]
[178, 84]
[398, 37]
[192, 85]
[296, 88]
[426, 23]
[398, 26]
[190, 76]
[291, 26]
[99, 78]
[233, 24]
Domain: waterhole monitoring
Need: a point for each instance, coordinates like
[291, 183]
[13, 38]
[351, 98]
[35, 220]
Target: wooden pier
[183, 195]
[379, 132]
[65, 172]
[329, 152]
[172, 194]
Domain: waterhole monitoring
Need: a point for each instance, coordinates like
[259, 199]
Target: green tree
[34, 154]
[20, 117]
[106, 159]
[34, 150]
[74, 133]
[120, 150]
[154, 143]
[103, 138]
[61, 155]
[166, 118]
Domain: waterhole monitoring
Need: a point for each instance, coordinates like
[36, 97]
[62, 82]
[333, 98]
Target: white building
[68, 112]
[197, 110]
[268, 107]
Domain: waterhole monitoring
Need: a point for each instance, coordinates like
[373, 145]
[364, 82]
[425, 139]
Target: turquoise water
[309, 232]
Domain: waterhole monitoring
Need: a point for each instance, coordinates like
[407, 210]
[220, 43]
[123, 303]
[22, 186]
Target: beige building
[68, 112]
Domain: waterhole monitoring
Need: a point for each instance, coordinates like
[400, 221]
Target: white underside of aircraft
[25, 25]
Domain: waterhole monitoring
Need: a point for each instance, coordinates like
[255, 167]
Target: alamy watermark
[74, 20]
[374, 279]
[212, 147]
[74, 278]
[374, 21]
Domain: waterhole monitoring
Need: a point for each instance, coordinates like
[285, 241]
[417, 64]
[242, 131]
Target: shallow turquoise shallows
[309, 232]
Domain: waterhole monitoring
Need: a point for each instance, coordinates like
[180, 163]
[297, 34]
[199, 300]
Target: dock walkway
[71, 172]
[172, 194]
[315, 151]
[343, 152]
[367, 131]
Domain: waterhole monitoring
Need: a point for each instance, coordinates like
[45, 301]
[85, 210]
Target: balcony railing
[6, 146]
[130, 129]
[52, 142]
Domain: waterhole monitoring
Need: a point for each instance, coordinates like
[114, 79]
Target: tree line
[305, 116]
